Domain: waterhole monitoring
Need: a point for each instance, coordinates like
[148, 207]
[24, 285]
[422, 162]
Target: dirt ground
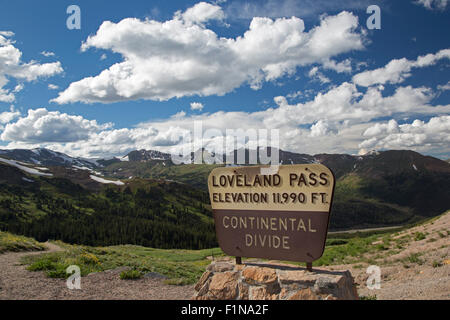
[427, 277]
[17, 283]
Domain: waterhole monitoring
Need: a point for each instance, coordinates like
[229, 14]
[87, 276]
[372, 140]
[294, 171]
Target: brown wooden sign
[280, 214]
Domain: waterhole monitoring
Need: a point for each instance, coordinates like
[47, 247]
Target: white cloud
[41, 125]
[19, 87]
[11, 66]
[342, 119]
[7, 34]
[201, 13]
[176, 58]
[433, 4]
[397, 70]
[48, 53]
[320, 128]
[53, 86]
[431, 136]
[380, 128]
[196, 106]
[444, 87]
[314, 73]
[339, 67]
[103, 57]
[8, 116]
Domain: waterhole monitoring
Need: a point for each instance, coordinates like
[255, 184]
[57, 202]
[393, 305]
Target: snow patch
[35, 161]
[42, 168]
[26, 169]
[414, 166]
[27, 180]
[88, 169]
[101, 180]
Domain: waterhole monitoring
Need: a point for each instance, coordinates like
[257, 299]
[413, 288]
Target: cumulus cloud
[196, 106]
[381, 128]
[11, 66]
[397, 70]
[320, 128]
[431, 136]
[342, 119]
[339, 67]
[201, 13]
[315, 74]
[181, 57]
[53, 86]
[8, 116]
[41, 125]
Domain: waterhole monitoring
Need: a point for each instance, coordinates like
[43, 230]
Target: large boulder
[273, 281]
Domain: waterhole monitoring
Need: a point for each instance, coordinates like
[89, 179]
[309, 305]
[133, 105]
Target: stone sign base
[273, 281]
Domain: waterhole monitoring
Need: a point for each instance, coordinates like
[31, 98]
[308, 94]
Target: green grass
[414, 258]
[130, 275]
[350, 252]
[179, 266]
[348, 186]
[419, 236]
[14, 243]
[193, 174]
[186, 266]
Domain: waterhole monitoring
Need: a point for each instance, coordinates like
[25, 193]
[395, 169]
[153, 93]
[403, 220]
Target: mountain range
[377, 189]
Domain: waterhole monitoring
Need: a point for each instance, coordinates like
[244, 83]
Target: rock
[338, 285]
[304, 294]
[205, 276]
[261, 293]
[203, 290]
[220, 266]
[226, 281]
[223, 285]
[259, 275]
[300, 277]
[243, 291]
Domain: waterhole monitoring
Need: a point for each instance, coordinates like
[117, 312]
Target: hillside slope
[414, 263]
[378, 189]
[71, 206]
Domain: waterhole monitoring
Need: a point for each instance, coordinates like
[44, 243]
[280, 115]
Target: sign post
[282, 215]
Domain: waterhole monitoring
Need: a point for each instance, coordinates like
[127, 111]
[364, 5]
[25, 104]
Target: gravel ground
[401, 279]
[17, 283]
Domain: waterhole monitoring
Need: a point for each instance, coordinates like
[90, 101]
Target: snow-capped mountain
[46, 157]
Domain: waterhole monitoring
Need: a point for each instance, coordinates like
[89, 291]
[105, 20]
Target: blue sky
[335, 90]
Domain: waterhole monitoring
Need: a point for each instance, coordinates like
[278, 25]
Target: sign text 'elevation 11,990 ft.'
[282, 215]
